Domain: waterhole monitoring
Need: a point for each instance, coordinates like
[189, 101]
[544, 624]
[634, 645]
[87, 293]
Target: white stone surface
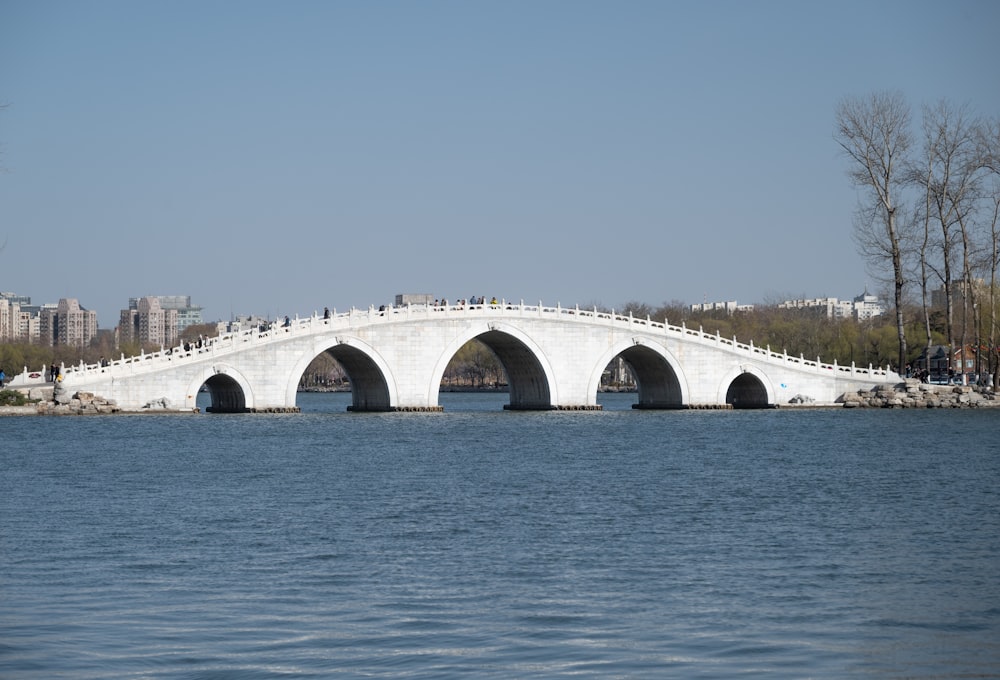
[404, 352]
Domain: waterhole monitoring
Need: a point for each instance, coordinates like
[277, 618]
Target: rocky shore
[915, 394]
[908, 394]
[57, 401]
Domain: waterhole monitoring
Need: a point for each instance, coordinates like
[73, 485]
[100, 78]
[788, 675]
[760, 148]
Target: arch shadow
[372, 387]
[529, 377]
[229, 390]
[657, 373]
[746, 388]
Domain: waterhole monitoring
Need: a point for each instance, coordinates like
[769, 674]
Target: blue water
[491, 544]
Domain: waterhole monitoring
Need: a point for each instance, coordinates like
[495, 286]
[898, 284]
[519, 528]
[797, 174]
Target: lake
[477, 542]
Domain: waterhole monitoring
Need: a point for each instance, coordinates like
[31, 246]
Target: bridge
[395, 359]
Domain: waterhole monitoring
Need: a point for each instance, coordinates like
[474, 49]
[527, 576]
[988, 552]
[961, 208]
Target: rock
[40, 394]
[158, 404]
[912, 394]
[60, 394]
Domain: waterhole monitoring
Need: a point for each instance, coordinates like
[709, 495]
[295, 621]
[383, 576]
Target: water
[485, 543]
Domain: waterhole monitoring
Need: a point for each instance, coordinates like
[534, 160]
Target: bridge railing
[276, 332]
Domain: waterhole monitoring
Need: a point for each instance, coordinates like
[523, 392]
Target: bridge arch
[746, 387]
[529, 375]
[372, 385]
[229, 388]
[657, 373]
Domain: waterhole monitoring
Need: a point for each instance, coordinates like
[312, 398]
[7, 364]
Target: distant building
[18, 318]
[242, 323]
[979, 288]
[730, 307]
[10, 319]
[187, 314]
[861, 308]
[404, 299]
[67, 324]
[148, 323]
[866, 306]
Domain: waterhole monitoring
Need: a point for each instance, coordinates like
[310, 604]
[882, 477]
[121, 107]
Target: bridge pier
[397, 409]
[554, 407]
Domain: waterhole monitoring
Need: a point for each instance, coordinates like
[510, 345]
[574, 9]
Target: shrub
[12, 398]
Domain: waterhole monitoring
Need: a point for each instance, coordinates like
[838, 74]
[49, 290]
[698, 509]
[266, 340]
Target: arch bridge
[395, 359]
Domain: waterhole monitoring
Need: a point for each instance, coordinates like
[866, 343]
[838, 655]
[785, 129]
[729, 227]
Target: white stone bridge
[395, 359]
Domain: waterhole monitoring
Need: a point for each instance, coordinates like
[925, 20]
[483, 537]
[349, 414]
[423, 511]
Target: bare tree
[951, 187]
[989, 146]
[874, 133]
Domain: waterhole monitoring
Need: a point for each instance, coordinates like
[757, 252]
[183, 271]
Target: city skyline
[276, 160]
[134, 301]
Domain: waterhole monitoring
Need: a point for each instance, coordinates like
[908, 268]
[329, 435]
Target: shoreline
[908, 394]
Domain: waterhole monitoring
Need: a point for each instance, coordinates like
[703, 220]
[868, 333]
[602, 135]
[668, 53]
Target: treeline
[806, 332]
[16, 356]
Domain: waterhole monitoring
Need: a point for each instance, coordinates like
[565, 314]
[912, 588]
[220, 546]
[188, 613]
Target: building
[979, 290]
[242, 323]
[959, 365]
[866, 306]
[861, 308]
[18, 319]
[730, 307]
[148, 323]
[10, 319]
[403, 299]
[66, 323]
[187, 314]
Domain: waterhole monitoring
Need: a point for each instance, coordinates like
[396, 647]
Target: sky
[274, 158]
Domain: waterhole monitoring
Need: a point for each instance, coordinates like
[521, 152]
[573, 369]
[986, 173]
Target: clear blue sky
[276, 157]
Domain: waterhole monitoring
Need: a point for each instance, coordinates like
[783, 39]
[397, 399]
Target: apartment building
[148, 323]
[67, 324]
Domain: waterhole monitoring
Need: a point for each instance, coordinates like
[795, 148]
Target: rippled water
[485, 543]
